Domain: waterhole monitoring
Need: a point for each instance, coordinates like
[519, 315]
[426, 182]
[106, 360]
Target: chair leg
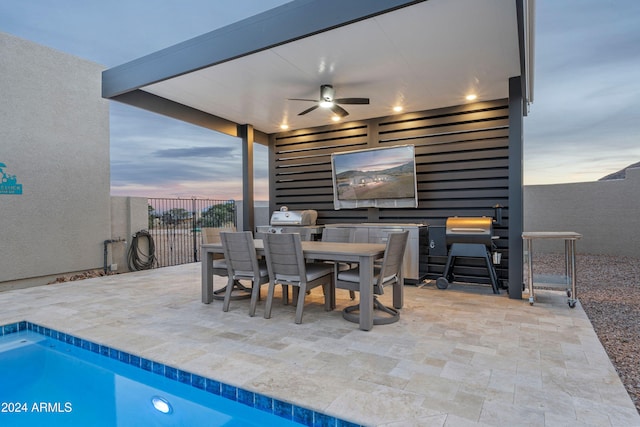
[329, 294]
[255, 296]
[227, 295]
[302, 292]
[267, 307]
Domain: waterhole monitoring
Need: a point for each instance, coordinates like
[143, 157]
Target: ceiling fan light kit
[328, 100]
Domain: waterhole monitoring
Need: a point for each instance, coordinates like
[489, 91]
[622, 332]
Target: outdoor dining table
[363, 253]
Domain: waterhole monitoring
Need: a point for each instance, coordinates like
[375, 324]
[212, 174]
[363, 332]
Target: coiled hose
[136, 258]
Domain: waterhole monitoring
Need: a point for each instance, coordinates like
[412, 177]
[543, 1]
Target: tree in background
[219, 215]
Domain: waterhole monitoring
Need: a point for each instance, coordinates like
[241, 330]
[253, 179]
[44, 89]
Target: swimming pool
[56, 379]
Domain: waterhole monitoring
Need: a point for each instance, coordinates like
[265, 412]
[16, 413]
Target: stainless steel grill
[470, 237]
[286, 221]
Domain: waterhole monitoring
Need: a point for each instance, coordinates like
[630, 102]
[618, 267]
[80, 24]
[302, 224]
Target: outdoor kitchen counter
[363, 253]
[569, 238]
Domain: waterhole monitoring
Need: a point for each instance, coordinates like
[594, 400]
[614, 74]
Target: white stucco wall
[54, 137]
[606, 213]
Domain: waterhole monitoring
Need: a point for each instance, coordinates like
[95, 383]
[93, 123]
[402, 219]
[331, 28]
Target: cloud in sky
[582, 125]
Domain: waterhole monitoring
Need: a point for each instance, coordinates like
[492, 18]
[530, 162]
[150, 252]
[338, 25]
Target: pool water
[56, 379]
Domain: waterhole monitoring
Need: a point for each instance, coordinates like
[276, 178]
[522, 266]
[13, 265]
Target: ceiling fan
[328, 100]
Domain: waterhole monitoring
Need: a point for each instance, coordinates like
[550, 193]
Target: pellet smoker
[471, 237]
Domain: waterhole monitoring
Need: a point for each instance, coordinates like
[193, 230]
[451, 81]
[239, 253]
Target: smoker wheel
[572, 303]
[442, 283]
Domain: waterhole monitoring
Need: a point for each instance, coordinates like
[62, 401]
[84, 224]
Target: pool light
[161, 404]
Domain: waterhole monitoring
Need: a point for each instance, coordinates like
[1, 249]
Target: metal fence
[175, 226]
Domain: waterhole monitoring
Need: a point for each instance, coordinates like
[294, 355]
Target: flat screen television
[378, 177]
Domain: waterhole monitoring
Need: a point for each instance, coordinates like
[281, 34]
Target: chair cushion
[220, 263]
[262, 266]
[316, 270]
[353, 275]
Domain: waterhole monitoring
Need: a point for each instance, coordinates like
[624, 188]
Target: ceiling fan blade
[339, 111]
[352, 101]
[308, 110]
[302, 99]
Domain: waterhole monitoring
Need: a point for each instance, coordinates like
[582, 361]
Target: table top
[324, 248]
[567, 235]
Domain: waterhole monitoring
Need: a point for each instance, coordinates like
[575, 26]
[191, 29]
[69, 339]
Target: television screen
[379, 177]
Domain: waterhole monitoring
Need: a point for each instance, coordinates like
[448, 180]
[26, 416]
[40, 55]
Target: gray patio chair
[212, 235]
[243, 264]
[287, 267]
[388, 273]
[340, 235]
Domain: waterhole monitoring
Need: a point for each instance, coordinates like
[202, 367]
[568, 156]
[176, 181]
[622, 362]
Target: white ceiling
[425, 56]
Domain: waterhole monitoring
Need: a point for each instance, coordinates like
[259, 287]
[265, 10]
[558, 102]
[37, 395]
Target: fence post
[193, 229]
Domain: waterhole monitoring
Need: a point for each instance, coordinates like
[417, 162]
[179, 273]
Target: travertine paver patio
[457, 357]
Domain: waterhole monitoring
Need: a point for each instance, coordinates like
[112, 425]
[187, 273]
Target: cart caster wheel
[568, 293]
[572, 304]
[450, 278]
[442, 283]
[531, 301]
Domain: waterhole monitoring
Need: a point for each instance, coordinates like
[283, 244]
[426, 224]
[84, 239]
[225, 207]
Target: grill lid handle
[468, 230]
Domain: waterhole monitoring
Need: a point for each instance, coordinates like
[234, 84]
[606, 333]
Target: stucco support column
[246, 133]
[516, 206]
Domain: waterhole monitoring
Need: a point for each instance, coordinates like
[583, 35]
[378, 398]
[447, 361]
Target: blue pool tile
[212, 386]
[104, 350]
[229, 391]
[10, 329]
[343, 423]
[197, 381]
[283, 409]
[22, 326]
[263, 403]
[184, 377]
[86, 345]
[134, 360]
[146, 364]
[322, 420]
[171, 373]
[94, 347]
[124, 357]
[246, 397]
[303, 416]
[157, 368]
[114, 354]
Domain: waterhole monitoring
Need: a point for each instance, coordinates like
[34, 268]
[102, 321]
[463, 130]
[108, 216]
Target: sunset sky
[582, 125]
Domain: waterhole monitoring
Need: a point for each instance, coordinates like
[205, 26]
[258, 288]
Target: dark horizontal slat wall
[461, 163]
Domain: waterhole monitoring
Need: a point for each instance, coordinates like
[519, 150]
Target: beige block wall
[54, 137]
[128, 216]
[606, 213]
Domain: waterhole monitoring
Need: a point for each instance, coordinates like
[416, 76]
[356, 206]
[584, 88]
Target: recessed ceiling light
[397, 108]
[284, 126]
[335, 118]
[471, 97]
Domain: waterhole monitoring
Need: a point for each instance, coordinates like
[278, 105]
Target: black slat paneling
[461, 167]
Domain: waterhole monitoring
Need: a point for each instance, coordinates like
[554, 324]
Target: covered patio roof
[419, 55]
